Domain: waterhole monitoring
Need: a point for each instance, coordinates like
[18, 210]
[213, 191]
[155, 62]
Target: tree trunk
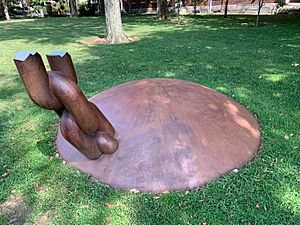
[195, 9]
[128, 2]
[226, 9]
[209, 6]
[73, 8]
[164, 8]
[121, 6]
[158, 9]
[114, 30]
[6, 14]
[260, 4]
[221, 6]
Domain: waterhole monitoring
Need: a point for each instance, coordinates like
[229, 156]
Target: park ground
[255, 66]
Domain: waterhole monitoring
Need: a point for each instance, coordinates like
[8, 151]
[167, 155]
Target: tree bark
[6, 14]
[164, 7]
[260, 4]
[73, 8]
[128, 2]
[209, 6]
[226, 9]
[158, 9]
[114, 29]
[121, 6]
[221, 5]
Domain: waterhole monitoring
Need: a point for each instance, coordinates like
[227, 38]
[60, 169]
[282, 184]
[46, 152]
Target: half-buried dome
[173, 135]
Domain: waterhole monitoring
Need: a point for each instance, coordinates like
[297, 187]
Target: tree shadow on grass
[268, 86]
[60, 31]
[231, 61]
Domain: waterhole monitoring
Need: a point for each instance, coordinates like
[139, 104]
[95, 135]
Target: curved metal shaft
[82, 123]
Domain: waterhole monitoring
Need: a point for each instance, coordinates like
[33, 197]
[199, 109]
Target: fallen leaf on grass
[19, 107]
[135, 191]
[113, 205]
[84, 206]
[108, 219]
[5, 175]
[235, 170]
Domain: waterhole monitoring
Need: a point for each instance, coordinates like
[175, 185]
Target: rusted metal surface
[172, 134]
[82, 123]
[62, 61]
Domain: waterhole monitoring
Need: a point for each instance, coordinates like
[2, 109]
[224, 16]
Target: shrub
[88, 9]
[281, 3]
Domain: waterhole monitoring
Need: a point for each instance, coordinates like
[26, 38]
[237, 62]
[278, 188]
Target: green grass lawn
[252, 65]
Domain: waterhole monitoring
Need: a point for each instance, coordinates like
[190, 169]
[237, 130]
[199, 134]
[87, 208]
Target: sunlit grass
[275, 77]
[251, 65]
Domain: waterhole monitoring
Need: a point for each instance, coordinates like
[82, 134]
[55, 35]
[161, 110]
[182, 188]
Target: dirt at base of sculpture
[103, 41]
[173, 135]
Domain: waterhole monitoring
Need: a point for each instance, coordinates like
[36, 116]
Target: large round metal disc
[172, 134]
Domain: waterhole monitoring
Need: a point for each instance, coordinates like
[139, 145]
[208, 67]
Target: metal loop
[82, 123]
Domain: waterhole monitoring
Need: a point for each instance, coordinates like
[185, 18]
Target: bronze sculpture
[82, 123]
[170, 134]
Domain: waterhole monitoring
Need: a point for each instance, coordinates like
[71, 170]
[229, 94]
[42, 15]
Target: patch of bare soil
[102, 41]
[15, 209]
[45, 218]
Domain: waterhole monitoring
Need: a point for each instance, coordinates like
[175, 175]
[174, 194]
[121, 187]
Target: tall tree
[73, 8]
[114, 29]
[5, 7]
[165, 9]
[210, 9]
[226, 8]
[260, 5]
[162, 9]
[158, 9]
[129, 9]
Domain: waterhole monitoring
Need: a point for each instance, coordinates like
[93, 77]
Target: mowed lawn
[255, 66]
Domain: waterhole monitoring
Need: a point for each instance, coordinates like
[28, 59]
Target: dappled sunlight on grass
[292, 46]
[275, 77]
[222, 89]
[251, 65]
[290, 198]
[170, 74]
[242, 93]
